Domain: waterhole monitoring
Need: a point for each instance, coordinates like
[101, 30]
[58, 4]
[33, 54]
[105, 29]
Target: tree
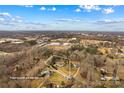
[91, 50]
[31, 42]
[62, 83]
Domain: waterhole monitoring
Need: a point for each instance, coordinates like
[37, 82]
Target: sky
[62, 17]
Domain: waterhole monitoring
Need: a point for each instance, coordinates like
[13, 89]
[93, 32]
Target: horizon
[59, 31]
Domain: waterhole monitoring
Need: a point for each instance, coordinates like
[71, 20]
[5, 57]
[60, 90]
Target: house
[45, 73]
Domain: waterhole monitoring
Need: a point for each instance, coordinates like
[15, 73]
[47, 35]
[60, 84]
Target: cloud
[8, 19]
[35, 23]
[68, 20]
[48, 9]
[52, 9]
[108, 21]
[108, 11]
[1, 19]
[18, 17]
[28, 25]
[110, 24]
[18, 23]
[30, 6]
[16, 20]
[5, 14]
[42, 8]
[89, 8]
[78, 10]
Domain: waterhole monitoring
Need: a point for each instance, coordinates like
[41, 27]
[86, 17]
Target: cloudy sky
[62, 17]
